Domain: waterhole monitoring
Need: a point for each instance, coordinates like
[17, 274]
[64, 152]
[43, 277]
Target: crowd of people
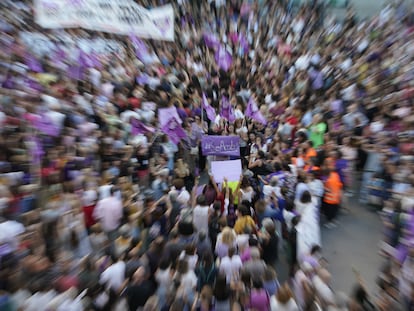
[102, 209]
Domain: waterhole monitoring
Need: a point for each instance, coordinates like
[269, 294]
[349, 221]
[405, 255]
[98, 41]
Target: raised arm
[214, 184]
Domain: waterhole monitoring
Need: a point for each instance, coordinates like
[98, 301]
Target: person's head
[231, 251]
[306, 197]
[284, 294]
[260, 206]
[190, 249]
[245, 182]
[228, 236]
[202, 236]
[182, 267]
[257, 283]
[207, 259]
[260, 154]
[201, 200]
[301, 177]
[316, 250]
[220, 285]
[269, 225]
[164, 264]
[243, 210]
[270, 274]
[274, 181]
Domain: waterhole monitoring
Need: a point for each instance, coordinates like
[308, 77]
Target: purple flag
[94, 60]
[252, 111]
[141, 50]
[174, 130]
[142, 79]
[33, 84]
[211, 113]
[165, 114]
[75, 72]
[33, 63]
[84, 60]
[138, 127]
[223, 58]
[227, 111]
[46, 126]
[220, 145]
[211, 41]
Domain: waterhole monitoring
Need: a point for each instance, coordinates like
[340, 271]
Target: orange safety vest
[309, 168]
[310, 154]
[333, 186]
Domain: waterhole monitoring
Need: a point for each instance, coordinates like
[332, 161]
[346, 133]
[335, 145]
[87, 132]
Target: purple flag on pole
[174, 130]
[223, 58]
[33, 63]
[252, 111]
[165, 115]
[227, 111]
[211, 41]
[138, 127]
[46, 126]
[141, 50]
[211, 113]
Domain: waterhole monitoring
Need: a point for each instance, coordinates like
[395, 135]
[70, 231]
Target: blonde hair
[227, 236]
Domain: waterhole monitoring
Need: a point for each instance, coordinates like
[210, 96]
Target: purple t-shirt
[259, 300]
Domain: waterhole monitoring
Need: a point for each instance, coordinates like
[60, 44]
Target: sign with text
[220, 145]
[114, 16]
[226, 169]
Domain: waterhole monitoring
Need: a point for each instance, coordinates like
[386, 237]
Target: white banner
[114, 16]
[42, 45]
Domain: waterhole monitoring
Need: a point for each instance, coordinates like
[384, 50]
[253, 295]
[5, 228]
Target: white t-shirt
[200, 218]
[275, 305]
[114, 276]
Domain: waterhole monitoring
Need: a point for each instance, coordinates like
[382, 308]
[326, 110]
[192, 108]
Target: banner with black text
[123, 17]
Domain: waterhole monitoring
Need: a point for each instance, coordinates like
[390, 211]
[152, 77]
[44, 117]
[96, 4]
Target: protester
[109, 196]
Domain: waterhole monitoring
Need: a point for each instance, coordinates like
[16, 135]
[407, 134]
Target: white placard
[230, 169]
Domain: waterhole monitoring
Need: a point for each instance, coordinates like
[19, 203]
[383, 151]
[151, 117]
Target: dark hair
[207, 259]
[245, 182]
[231, 251]
[306, 197]
[243, 210]
[201, 199]
[260, 154]
[221, 289]
[257, 283]
[315, 249]
[164, 263]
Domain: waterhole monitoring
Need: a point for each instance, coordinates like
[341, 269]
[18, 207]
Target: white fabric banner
[114, 16]
[42, 45]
